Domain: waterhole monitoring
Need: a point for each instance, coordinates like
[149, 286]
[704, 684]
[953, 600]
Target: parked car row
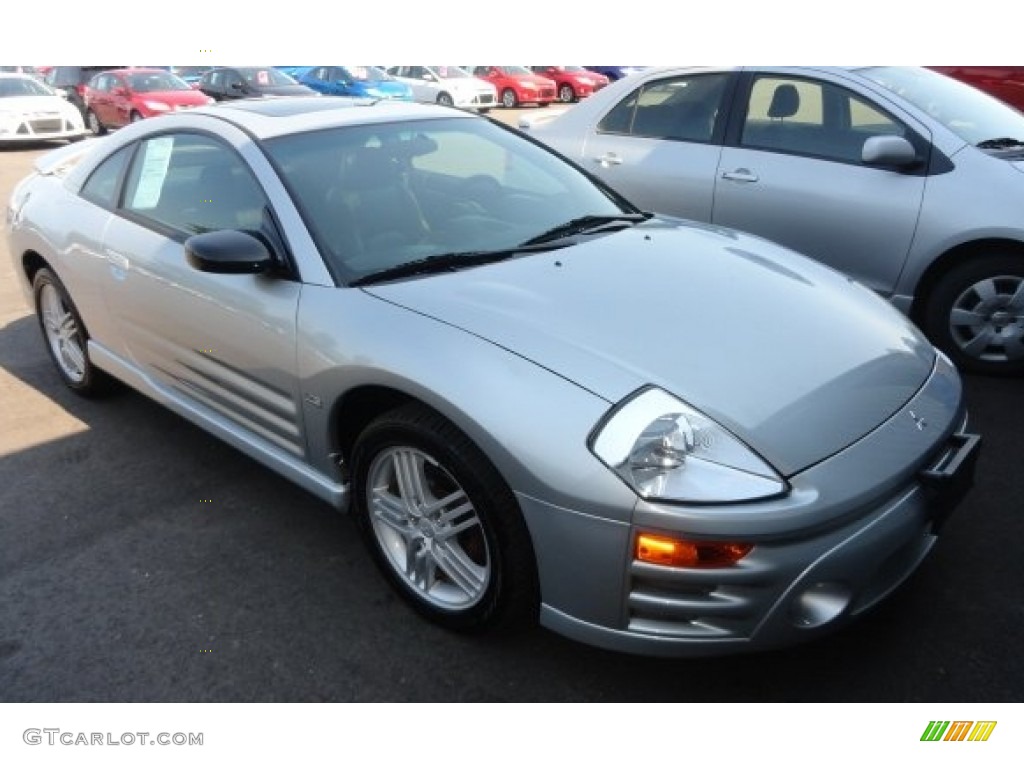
[900, 177]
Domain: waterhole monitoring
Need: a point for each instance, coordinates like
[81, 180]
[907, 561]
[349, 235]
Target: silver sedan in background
[905, 179]
[537, 400]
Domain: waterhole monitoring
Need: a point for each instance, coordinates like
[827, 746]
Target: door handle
[740, 174]
[608, 158]
[117, 260]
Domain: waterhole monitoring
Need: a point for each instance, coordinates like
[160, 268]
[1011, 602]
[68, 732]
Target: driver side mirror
[228, 252]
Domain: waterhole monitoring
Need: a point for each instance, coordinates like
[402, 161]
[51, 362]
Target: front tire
[445, 99]
[65, 336]
[441, 523]
[975, 313]
[94, 123]
[135, 117]
[566, 94]
[508, 98]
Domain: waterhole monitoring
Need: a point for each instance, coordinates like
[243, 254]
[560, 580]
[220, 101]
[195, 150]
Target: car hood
[473, 84]
[40, 103]
[794, 358]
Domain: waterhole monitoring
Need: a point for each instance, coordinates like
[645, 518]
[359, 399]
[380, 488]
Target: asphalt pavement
[143, 560]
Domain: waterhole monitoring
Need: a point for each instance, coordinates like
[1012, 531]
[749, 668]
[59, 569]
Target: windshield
[972, 115]
[22, 86]
[515, 71]
[147, 82]
[262, 77]
[446, 73]
[365, 74]
[381, 196]
[190, 71]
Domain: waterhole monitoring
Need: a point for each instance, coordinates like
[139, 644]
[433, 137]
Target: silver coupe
[538, 401]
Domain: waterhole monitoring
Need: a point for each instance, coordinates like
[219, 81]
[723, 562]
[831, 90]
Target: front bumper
[483, 99]
[851, 530]
[43, 128]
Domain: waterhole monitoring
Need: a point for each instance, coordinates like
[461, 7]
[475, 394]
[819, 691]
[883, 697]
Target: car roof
[266, 118]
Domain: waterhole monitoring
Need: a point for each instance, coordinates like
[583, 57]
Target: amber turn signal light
[680, 553]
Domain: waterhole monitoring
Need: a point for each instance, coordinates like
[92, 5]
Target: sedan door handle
[740, 174]
[608, 158]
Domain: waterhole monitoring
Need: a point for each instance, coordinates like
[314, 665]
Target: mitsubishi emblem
[918, 421]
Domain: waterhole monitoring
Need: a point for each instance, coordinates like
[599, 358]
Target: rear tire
[975, 314]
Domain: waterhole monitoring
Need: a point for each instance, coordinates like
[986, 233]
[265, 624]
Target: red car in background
[572, 83]
[1005, 83]
[518, 85]
[122, 96]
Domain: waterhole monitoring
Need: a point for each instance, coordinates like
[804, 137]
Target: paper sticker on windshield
[156, 156]
[263, 77]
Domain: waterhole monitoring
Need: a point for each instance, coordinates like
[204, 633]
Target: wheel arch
[953, 257]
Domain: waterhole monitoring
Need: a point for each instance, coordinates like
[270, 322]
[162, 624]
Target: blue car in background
[364, 82]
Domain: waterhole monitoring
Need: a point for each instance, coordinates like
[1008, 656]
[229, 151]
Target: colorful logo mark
[958, 730]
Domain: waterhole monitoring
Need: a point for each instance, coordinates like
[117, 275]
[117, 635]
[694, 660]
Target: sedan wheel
[441, 523]
[566, 94]
[976, 314]
[94, 123]
[66, 339]
[508, 98]
[445, 99]
[135, 117]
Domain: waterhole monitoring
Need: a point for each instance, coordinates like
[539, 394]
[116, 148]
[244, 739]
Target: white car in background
[449, 86]
[32, 111]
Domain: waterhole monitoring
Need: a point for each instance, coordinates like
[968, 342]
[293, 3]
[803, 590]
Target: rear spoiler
[60, 161]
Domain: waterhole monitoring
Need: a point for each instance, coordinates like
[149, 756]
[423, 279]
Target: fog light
[820, 604]
[680, 553]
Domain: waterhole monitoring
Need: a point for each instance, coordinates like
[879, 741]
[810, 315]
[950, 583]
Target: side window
[192, 184]
[680, 108]
[812, 118]
[101, 186]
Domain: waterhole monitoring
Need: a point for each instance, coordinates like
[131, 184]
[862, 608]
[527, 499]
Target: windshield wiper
[587, 225]
[1002, 143]
[448, 262]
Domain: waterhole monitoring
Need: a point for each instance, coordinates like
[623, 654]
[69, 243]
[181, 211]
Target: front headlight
[667, 451]
[157, 106]
[527, 85]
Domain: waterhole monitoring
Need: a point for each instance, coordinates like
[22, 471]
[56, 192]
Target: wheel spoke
[986, 289]
[73, 356]
[1016, 302]
[409, 473]
[452, 498]
[390, 511]
[964, 317]
[419, 565]
[455, 530]
[1014, 345]
[459, 568]
[978, 344]
[67, 324]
